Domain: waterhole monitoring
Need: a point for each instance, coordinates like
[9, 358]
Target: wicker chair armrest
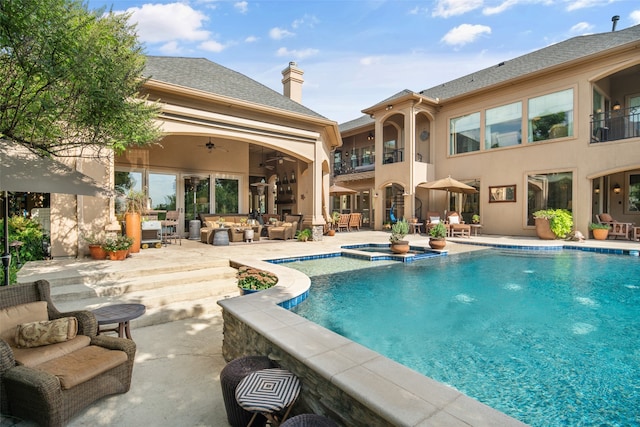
[7, 360]
[115, 343]
[38, 387]
[87, 322]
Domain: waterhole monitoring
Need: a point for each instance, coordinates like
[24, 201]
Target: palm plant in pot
[437, 235]
[398, 231]
[135, 206]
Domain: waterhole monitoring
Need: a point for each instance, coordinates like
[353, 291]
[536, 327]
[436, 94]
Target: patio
[178, 364]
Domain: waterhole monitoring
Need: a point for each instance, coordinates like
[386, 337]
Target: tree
[70, 78]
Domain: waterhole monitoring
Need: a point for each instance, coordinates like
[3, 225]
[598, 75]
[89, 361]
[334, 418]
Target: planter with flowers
[96, 251]
[117, 249]
[252, 280]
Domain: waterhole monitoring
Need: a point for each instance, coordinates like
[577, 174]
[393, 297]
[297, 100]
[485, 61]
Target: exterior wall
[511, 165]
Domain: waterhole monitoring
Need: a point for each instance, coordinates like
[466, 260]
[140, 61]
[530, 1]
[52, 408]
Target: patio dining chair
[343, 222]
[355, 221]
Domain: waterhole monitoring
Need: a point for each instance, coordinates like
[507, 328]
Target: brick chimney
[292, 82]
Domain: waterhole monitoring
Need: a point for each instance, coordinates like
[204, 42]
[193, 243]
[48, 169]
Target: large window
[227, 195]
[464, 134]
[162, 191]
[633, 201]
[551, 116]
[503, 126]
[126, 181]
[549, 191]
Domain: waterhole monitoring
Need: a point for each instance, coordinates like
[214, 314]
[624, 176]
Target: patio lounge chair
[457, 227]
[617, 229]
[433, 218]
[343, 222]
[355, 220]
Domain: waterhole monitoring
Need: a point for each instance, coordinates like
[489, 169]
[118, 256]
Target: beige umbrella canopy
[337, 190]
[449, 184]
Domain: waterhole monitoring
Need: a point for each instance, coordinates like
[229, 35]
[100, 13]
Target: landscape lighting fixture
[617, 189]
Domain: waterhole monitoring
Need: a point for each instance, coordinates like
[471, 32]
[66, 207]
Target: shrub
[120, 243]
[438, 231]
[30, 234]
[304, 235]
[598, 226]
[254, 279]
[560, 220]
[399, 230]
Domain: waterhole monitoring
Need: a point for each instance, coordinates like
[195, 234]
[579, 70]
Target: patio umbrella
[449, 184]
[337, 190]
[24, 171]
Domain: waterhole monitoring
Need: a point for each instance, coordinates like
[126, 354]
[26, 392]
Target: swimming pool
[549, 338]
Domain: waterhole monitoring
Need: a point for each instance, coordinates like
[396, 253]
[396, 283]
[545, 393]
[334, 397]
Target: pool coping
[398, 394]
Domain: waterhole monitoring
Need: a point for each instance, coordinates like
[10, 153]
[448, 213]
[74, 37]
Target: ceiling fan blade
[288, 159]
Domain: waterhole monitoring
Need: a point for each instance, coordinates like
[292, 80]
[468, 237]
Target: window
[464, 134]
[551, 116]
[503, 126]
[548, 191]
[227, 195]
[162, 191]
[126, 181]
[633, 200]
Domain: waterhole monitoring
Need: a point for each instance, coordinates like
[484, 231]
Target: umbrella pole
[6, 256]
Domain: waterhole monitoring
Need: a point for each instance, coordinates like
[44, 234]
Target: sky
[356, 53]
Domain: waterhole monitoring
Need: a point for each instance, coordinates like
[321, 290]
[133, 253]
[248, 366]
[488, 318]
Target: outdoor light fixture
[596, 190]
[260, 186]
[616, 106]
[293, 177]
[370, 136]
[389, 107]
[617, 189]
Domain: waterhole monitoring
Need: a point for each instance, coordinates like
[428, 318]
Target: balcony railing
[615, 125]
[355, 164]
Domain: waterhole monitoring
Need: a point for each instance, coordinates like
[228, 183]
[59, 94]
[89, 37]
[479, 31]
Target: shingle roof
[568, 50]
[207, 76]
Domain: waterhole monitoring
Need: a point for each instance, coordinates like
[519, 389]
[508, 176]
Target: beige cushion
[11, 317]
[434, 219]
[82, 365]
[45, 332]
[454, 219]
[31, 357]
[606, 217]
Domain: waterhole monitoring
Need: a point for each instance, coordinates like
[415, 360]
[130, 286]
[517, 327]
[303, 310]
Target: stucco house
[558, 127]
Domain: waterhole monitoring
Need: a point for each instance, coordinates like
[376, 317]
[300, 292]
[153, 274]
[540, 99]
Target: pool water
[549, 338]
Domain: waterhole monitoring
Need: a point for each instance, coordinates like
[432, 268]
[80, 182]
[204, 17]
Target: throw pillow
[11, 317]
[434, 219]
[454, 219]
[37, 334]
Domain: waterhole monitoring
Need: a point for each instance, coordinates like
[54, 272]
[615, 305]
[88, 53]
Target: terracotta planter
[97, 252]
[543, 229]
[331, 232]
[437, 243]
[133, 226]
[400, 247]
[600, 233]
[118, 255]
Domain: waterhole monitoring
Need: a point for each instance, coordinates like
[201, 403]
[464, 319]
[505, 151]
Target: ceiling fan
[211, 146]
[264, 165]
[280, 159]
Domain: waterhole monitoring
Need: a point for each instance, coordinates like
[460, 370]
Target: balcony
[615, 125]
[356, 164]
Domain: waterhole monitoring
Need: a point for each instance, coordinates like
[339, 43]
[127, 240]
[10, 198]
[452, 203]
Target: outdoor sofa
[236, 224]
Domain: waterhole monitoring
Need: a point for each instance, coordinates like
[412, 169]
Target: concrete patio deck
[178, 364]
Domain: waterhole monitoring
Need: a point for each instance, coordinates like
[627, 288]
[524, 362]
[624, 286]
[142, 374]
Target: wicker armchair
[34, 394]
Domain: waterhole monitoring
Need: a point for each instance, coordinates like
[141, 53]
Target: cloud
[212, 46]
[241, 6]
[582, 4]
[370, 60]
[158, 23]
[447, 8]
[465, 33]
[307, 20]
[419, 11]
[635, 17]
[297, 54]
[500, 8]
[279, 33]
[251, 39]
[171, 48]
[581, 28]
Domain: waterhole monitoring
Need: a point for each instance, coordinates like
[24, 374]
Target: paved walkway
[177, 371]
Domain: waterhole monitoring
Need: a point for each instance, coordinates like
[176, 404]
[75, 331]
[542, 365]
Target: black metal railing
[355, 164]
[615, 125]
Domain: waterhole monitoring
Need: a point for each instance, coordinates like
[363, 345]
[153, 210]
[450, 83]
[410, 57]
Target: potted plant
[135, 206]
[437, 235]
[304, 235]
[252, 280]
[475, 219]
[333, 222]
[553, 223]
[398, 231]
[96, 251]
[600, 231]
[117, 249]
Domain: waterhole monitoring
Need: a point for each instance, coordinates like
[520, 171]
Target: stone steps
[171, 292]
